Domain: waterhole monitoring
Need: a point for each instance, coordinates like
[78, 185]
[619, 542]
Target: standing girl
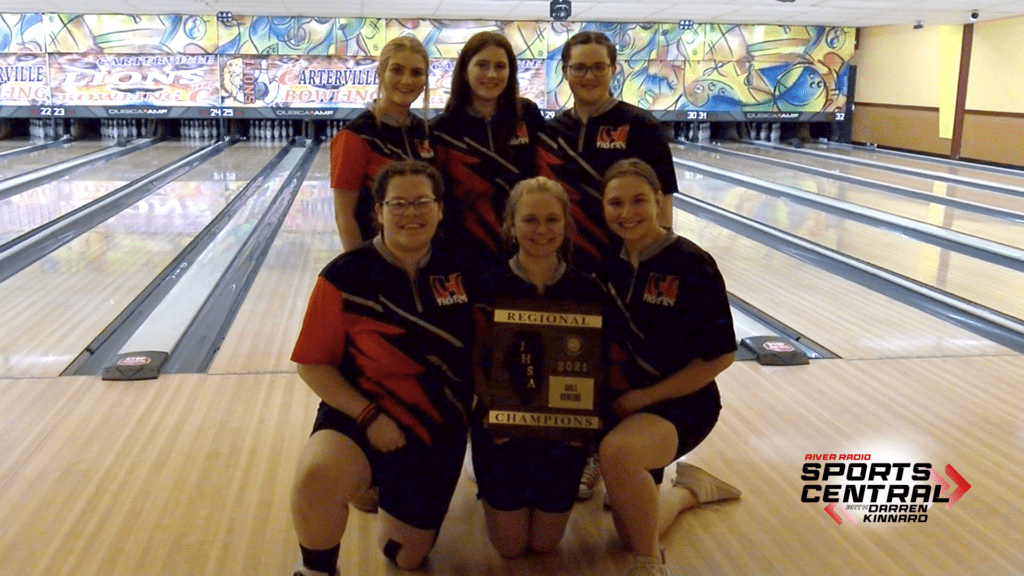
[528, 486]
[579, 144]
[678, 337]
[485, 141]
[386, 132]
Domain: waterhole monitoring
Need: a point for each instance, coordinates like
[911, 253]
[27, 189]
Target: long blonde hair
[394, 46]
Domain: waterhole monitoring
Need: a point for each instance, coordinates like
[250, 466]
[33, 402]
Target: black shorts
[694, 416]
[527, 473]
[417, 481]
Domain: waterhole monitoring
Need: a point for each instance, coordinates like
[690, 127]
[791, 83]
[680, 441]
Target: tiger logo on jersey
[424, 149]
[449, 290]
[612, 138]
[522, 135]
[661, 290]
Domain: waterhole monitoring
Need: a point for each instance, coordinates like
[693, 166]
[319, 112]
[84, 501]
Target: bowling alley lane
[847, 318]
[54, 308]
[276, 302]
[15, 165]
[13, 144]
[981, 282]
[33, 208]
[962, 220]
[921, 184]
[962, 169]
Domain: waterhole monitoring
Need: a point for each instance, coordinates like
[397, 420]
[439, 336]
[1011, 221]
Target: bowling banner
[300, 35]
[298, 81]
[24, 80]
[22, 33]
[337, 82]
[445, 38]
[134, 80]
[323, 67]
[131, 34]
[717, 71]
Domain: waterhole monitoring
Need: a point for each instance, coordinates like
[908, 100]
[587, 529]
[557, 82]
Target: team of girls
[384, 342]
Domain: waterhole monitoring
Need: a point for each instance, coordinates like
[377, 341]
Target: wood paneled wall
[913, 128]
[994, 137]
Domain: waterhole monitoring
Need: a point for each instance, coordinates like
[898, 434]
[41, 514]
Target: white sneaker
[704, 486]
[591, 474]
[646, 566]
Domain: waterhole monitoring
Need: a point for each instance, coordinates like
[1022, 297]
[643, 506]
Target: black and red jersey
[578, 153]
[481, 162]
[673, 308]
[401, 341]
[364, 146]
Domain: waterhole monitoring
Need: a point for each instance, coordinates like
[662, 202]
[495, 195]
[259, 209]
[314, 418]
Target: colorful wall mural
[711, 71]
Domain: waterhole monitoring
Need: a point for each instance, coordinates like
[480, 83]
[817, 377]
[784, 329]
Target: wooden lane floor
[921, 184]
[992, 228]
[22, 163]
[191, 475]
[922, 162]
[267, 325]
[54, 308]
[981, 282]
[14, 143]
[847, 318]
[33, 208]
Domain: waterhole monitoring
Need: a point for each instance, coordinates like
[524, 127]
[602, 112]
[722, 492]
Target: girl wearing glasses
[384, 345]
[528, 486]
[677, 334]
[485, 141]
[579, 144]
[386, 132]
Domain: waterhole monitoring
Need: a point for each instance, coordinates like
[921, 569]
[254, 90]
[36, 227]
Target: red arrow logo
[962, 486]
[829, 510]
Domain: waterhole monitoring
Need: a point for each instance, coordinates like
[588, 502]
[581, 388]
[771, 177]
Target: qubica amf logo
[853, 484]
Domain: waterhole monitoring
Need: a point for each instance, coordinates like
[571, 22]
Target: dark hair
[507, 111]
[581, 38]
[540, 185]
[462, 94]
[406, 168]
[632, 167]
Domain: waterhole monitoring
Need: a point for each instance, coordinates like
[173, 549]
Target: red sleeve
[322, 338]
[350, 158]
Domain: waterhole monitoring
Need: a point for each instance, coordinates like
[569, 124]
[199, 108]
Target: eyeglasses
[580, 70]
[400, 207]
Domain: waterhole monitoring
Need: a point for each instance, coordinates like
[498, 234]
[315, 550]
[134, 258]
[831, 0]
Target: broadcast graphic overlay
[855, 488]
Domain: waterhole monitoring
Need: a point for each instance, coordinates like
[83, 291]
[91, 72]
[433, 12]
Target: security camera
[974, 15]
[561, 10]
[919, 25]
